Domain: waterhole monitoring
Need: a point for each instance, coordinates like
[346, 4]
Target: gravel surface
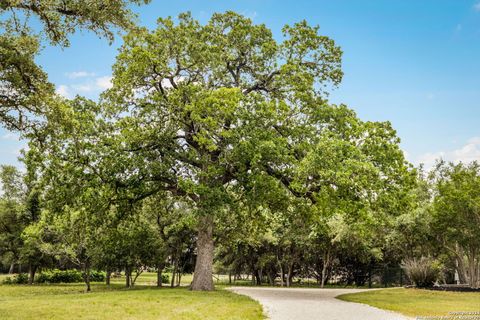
[300, 304]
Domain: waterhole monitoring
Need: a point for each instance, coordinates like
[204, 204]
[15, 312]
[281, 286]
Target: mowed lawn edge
[417, 302]
[69, 301]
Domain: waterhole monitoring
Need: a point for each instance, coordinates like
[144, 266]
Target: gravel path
[304, 304]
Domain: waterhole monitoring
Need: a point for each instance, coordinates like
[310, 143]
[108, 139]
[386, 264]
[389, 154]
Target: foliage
[59, 276]
[220, 134]
[67, 276]
[238, 117]
[165, 278]
[422, 272]
[12, 214]
[21, 278]
[456, 216]
[26, 92]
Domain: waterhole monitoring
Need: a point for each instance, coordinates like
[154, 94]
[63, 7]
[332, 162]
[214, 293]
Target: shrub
[21, 278]
[165, 278]
[59, 276]
[422, 272]
[97, 276]
[67, 276]
[7, 280]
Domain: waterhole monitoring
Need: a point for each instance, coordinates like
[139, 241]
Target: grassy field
[417, 302]
[115, 302]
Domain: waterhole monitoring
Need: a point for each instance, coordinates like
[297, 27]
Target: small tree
[456, 217]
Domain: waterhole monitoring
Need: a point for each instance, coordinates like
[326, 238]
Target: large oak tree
[223, 110]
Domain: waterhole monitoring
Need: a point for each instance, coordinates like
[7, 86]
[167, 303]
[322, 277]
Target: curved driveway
[305, 304]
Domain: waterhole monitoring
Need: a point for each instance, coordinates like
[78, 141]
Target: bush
[422, 272]
[165, 278]
[68, 276]
[21, 278]
[7, 280]
[97, 276]
[59, 276]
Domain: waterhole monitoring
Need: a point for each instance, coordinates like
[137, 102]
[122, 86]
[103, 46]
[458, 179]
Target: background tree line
[216, 143]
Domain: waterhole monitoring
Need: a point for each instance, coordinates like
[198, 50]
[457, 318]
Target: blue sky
[415, 63]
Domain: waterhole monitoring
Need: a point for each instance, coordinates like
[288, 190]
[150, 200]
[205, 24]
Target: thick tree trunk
[473, 268]
[128, 276]
[289, 274]
[462, 273]
[258, 277]
[86, 275]
[31, 273]
[179, 278]
[159, 274]
[12, 266]
[108, 277]
[174, 273]
[271, 275]
[326, 262]
[281, 274]
[202, 277]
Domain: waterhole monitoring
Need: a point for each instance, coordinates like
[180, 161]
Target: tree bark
[12, 266]
[108, 276]
[31, 273]
[86, 275]
[202, 277]
[179, 278]
[460, 264]
[289, 274]
[281, 274]
[258, 276]
[138, 272]
[159, 274]
[326, 262]
[174, 273]
[473, 268]
[128, 275]
[270, 279]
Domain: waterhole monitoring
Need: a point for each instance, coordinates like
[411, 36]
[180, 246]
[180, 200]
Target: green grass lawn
[69, 301]
[417, 302]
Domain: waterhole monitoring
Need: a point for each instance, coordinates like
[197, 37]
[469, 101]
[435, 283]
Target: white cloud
[79, 74]
[430, 158]
[476, 6]
[63, 91]
[104, 83]
[467, 153]
[250, 14]
[91, 87]
[82, 88]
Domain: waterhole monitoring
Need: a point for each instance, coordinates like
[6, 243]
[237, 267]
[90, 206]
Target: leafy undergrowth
[417, 302]
[115, 302]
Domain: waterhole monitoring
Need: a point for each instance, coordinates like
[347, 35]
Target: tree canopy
[217, 148]
[222, 114]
